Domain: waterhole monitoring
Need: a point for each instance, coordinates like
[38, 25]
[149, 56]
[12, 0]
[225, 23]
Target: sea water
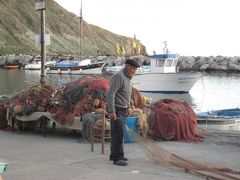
[212, 92]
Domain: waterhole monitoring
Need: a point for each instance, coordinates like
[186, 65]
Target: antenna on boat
[80, 34]
[165, 49]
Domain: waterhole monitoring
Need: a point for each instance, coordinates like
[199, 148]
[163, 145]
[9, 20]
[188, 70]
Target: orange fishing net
[137, 100]
[165, 157]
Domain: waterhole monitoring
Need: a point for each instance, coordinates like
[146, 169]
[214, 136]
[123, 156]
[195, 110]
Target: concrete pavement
[62, 156]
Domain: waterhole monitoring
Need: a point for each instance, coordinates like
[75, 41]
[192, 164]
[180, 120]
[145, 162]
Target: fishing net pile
[35, 99]
[4, 101]
[78, 98]
[142, 120]
[137, 99]
[83, 96]
[171, 119]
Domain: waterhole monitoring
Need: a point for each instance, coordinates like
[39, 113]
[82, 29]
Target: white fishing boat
[85, 66]
[161, 75]
[35, 64]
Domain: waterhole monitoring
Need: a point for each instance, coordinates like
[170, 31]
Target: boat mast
[80, 35]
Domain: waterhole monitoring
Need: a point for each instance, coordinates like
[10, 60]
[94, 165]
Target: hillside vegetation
[20, 22]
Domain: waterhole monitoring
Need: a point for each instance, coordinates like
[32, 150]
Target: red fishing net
[84, 96]
[171, 119]
[79, 98]
[95, 83]
[3, 112]
[36, 98]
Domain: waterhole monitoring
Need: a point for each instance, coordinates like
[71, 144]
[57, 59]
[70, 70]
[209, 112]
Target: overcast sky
[191, 27]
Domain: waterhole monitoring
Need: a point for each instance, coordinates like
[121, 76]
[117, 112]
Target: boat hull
[225, 116]
[218, 120]
[88, 69]
[166, 82]
[33, 67]
[96, 70]
[11, 67]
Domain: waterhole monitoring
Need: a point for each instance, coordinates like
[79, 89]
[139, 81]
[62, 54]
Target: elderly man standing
[118, 98]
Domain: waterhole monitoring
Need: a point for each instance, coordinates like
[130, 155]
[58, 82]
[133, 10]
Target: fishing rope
[162, 156]
[88, 27]
[86, 24]
[97, 36]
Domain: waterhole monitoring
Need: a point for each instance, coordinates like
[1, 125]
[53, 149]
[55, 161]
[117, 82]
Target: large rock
[216, 66]
[233, 67]
[204, 67]
[186, 62]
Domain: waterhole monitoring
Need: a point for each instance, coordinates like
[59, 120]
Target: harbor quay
[65, 155]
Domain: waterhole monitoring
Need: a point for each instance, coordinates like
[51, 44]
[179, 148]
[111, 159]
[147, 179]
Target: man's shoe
[120, 163]
[124, 159]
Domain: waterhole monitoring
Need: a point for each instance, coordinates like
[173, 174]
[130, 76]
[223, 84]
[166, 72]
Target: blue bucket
[131, 123]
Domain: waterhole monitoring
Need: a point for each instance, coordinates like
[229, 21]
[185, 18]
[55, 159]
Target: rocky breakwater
[211, 63]
[20, 59]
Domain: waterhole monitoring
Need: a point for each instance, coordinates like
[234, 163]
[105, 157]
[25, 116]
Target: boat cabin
[163, 63]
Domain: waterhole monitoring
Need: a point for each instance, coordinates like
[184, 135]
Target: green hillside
[20, 22]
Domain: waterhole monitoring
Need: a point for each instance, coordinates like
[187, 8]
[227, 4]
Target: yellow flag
[120, 50]
[139, 48]
[134, 44]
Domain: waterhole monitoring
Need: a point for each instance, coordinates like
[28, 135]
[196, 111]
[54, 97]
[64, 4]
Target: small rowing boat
[223, 116]
[10, 67]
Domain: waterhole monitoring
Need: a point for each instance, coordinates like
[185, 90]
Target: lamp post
[40, 6]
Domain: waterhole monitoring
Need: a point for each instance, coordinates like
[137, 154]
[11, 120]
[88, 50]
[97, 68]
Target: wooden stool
[99, 133]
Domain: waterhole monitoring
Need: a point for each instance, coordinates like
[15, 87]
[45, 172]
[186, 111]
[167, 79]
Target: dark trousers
[117, 132]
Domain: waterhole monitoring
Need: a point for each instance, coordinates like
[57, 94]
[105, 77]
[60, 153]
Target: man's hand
[129, 112]
[112, 116]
